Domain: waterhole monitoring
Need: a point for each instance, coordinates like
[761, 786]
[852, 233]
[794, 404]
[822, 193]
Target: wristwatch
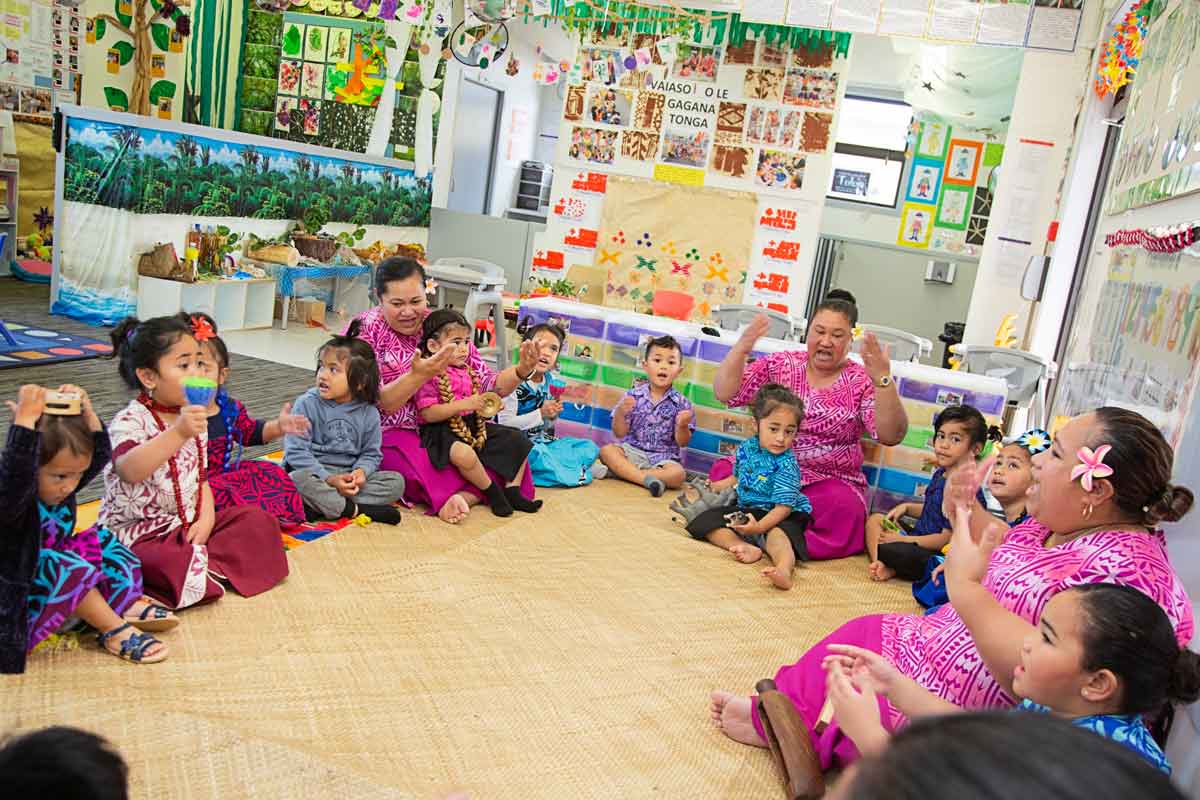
[883, 382]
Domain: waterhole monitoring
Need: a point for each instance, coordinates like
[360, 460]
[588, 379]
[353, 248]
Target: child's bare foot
[731, 713]
[745, 553]
[880, 571]
[454, 510]
[782, 578]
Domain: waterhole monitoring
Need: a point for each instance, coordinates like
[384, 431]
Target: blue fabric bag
[929, 594]
[563, 462]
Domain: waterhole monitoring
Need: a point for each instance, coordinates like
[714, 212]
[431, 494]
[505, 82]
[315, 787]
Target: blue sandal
[154, 617]
[134, 648]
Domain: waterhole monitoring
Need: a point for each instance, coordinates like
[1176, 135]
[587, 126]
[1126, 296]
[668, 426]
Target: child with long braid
[453, 431]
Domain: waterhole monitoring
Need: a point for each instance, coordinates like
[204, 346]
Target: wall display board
[42, 46]
[319, 79]
[1043, 24]
[130, 182]
[1158, 158]
[948, 194]
[134, 57]
[757, 117]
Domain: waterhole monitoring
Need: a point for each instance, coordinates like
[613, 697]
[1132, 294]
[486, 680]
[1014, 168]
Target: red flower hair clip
[202, 329]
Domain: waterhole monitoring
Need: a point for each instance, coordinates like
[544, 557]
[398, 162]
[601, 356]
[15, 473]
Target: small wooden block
[825, 717]
[62, 404]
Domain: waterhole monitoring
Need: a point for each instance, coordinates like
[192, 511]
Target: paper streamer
[381, 128]
[427, 105]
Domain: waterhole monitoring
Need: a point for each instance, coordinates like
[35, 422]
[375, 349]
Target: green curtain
[214, 61]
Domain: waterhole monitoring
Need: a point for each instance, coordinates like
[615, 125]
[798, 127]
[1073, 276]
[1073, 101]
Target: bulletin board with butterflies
[947, 196]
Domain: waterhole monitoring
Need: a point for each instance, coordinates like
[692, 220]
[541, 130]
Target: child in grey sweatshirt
[336, 468]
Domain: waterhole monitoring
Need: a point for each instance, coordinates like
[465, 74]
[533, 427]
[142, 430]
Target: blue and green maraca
[200, 391]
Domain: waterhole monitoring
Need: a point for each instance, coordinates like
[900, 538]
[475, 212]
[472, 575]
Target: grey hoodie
[345, 437]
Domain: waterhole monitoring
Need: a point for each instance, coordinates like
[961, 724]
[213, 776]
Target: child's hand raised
[293, 424]
[192, 421]
[31, 402]
[684, 418]
[85, 405]
[551, 409]
[626, 406]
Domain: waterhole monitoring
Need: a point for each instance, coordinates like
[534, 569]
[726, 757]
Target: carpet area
[263, 386]
[567, 654]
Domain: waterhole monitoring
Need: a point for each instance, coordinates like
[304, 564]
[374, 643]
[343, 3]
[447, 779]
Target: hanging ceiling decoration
[971, 87]
[1119, 56]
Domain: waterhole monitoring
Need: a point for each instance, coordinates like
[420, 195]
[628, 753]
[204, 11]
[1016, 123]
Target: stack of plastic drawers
[901, 473]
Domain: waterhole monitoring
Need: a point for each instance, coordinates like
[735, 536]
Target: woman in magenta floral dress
[843, 401]
[393, 329]
[1097, 497]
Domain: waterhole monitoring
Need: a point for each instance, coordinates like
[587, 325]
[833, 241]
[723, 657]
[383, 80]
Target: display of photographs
[763, 84]
[10, 97]
[593, 145]
[36, 102]
[601, 65]
[686, 147]
[924, 182]
[779, 170]
[608, 106]
[962, 163]
[789, 130]
[811, 88]
[695, 63]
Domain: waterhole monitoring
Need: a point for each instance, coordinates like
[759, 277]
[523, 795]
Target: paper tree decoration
[152, 25]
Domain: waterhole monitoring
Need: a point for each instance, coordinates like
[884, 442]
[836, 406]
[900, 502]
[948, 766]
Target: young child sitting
[156, 494]
[960, 432]
[1103, 656]
[530, 408]
[653, 422]
[453, 431]
[336, 467]
[1011, 477]
[230, 428]
[767, 478]
[52, 573]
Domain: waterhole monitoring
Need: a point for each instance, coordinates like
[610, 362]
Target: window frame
[879, 153]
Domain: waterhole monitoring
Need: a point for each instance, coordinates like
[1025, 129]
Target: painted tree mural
[153, 29]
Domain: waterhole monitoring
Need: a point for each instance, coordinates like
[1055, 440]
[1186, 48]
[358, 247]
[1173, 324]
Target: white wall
[890, 287]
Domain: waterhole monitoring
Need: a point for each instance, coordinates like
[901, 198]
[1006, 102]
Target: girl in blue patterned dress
[49, 572]
[771, 513]
[1103, 656]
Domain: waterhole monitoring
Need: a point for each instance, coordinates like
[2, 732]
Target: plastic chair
[902, 345]
[735, 317]
[675, 305]
[1027, 375]
[483, 282]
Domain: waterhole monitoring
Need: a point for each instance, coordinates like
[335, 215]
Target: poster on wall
[1156, 159]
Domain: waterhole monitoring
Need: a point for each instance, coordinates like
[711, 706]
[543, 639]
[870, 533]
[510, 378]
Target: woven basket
[316, 247]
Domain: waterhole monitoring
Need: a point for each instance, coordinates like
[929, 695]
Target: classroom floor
[564, 655]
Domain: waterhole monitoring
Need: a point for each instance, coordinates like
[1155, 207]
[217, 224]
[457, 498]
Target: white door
[476, 120]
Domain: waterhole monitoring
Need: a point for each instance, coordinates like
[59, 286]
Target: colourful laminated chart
[601, 359]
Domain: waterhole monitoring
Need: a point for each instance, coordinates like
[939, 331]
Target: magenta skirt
[839, 519]
[403, 453]
[804, 684]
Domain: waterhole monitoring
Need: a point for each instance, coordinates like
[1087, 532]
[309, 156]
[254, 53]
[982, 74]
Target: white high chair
[1027, 376]
[483, 282]
[735, 316]
[902, 345]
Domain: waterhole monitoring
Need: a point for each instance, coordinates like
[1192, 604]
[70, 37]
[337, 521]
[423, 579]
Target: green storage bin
[617, 376]
[918, 437]
[577, 370]
[703, 396]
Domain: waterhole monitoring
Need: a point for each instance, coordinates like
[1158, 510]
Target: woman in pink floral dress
[393, 329]
[842, 401]
[1098, 494]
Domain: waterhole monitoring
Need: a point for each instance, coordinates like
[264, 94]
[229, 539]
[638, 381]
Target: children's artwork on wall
[778, 170]
[916, 224]
[601, 65]
[312, 80]
[610, 34]
[293, 40]
[814, 132]
[763, 84]
[696, 63]
[731, 122]
[649, 113]
[981, 211]
[648, 42]
[954, 210]
[790, 129]
[639, 145]
[742, 54]
[359, 79]
[732, 161]
[593, 145]
[609, 106]
[924, 182]
[811, 88]
[289, 76]
[962, 163]
[770, 55]
[820, 57]
[935, 136]
[316, 38]
[573, 110]
[685, 147]
[657, 235]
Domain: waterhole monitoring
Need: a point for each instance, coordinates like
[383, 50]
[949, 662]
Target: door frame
[495, 148]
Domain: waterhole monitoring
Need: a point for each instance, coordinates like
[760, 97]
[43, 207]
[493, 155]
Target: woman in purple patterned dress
[1080, 531]
[393, 329]
[843, 401]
